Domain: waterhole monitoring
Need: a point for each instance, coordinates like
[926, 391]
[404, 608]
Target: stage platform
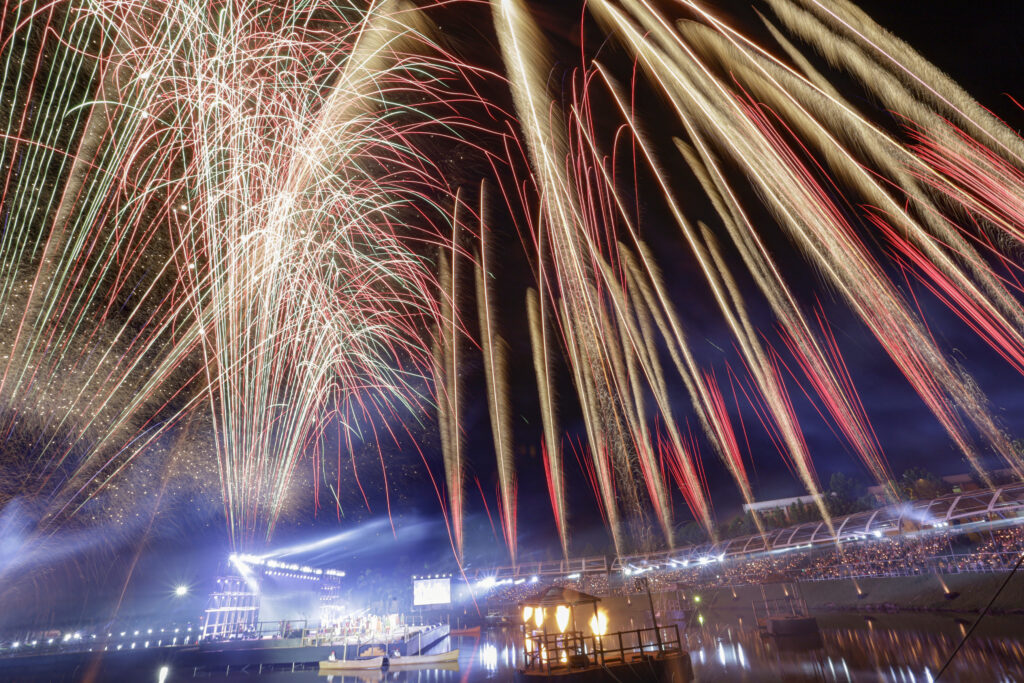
[230, 655]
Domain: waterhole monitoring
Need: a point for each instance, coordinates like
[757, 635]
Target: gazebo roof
[559, 595]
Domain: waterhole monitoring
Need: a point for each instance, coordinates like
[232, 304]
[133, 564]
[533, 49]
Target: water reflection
[491, 658]
[727, 651]
[497, 656]
[443, 672]
[851, 648]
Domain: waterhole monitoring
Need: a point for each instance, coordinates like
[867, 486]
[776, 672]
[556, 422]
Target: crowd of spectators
[946, 551]
[595, 583]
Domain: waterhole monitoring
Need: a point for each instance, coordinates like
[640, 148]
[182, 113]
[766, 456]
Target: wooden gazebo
[545, 647]
[555, 648]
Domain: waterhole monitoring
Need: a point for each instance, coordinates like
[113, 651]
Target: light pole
[654, 618]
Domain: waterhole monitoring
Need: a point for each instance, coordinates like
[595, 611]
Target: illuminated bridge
[1003, 503]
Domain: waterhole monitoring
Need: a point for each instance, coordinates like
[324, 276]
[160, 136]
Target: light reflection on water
[908, 649]
[891, 648]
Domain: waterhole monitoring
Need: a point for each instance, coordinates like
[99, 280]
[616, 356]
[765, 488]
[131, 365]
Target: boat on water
[554, 652]
[422, 660]
[351, 664]
[473, 632]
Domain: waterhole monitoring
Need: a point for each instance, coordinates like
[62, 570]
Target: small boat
[471, 632]
[345, 664]
[422, 660]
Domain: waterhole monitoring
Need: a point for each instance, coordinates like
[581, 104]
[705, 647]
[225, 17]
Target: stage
[230, 655]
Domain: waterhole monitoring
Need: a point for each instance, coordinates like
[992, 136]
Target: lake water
[904, 648]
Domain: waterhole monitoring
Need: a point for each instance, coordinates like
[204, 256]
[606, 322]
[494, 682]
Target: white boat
[347, 664]
[421, 660]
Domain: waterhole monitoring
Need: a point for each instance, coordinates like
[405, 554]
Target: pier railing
[574, 650]
[790, 606]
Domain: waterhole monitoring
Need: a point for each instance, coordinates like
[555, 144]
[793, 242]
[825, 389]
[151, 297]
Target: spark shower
[237, 221]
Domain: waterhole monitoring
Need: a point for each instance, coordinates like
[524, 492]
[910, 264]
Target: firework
[495, 372]
[552, 449]
[253, 235]
[248, 185]
[446, 382]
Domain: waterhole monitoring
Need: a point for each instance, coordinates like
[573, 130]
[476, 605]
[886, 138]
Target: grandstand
[904, 538]
[1006, 502]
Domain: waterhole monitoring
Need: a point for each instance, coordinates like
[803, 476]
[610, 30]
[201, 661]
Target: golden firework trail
[542, 365]
[641, 339]
[521, 46]
[641, 369]
[809, 108]
[692, 94]
[234, 233]
[930, 238]
[598, 322]
[496, 376]
[825, 372]
[714, 114]
[446, 382]
[600, 450]
[242, 231]
[649, 303]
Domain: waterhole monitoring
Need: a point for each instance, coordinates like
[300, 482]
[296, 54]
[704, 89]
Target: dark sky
[977, 43]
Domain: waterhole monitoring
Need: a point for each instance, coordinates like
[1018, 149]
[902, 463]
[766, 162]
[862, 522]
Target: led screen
[286, 598]
[431, 591]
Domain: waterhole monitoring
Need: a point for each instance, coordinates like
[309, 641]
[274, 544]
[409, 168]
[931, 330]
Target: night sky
[178, 532]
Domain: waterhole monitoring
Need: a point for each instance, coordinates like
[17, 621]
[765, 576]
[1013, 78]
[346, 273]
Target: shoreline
[953, 594]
